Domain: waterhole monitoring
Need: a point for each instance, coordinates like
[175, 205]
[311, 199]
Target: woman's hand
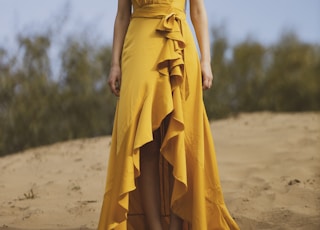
[207, 75]
[114, 80]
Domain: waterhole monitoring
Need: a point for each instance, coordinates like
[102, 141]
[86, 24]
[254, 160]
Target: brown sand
[269, 167]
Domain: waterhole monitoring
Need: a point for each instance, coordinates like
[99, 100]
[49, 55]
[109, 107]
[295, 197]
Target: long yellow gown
[161, 78]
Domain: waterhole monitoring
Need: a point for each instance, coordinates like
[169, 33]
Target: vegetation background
[41, 103]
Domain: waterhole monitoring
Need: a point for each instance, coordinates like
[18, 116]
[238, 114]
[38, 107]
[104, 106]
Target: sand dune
[269, 167]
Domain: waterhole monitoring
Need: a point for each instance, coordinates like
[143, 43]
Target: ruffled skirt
[161, 78]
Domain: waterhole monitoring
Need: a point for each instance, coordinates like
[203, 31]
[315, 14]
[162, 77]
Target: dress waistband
[158, 11]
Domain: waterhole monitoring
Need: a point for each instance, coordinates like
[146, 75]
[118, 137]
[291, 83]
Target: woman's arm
[199, 20]
[120, 29]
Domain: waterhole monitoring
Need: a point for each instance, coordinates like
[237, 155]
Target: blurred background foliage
[39, 106]
[283, 77]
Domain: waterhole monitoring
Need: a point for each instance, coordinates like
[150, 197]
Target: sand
[269, 167]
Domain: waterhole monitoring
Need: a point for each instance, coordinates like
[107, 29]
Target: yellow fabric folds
[161, 78]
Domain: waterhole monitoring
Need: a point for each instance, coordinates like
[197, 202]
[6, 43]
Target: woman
[162, 170]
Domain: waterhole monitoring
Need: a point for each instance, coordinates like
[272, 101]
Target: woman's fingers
[115, 81]
[207, 75]
[207, 84]
[206, 81]
[114, 86]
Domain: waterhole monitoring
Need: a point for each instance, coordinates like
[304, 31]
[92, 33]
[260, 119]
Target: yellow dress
[161, 78]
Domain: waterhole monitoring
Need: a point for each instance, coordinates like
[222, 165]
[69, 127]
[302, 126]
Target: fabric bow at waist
[171, 58]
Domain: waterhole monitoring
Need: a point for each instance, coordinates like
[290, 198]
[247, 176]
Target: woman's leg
[175, 221]
[149, 182]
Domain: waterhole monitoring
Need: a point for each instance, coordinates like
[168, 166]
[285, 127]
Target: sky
[262, 20]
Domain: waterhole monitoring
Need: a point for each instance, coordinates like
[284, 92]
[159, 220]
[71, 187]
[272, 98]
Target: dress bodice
[179, 4]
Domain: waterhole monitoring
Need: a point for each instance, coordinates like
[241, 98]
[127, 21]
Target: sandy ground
[269, 166]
